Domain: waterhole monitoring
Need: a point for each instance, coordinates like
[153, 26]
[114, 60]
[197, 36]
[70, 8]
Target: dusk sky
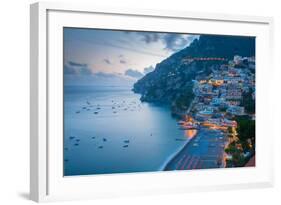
[91, 54]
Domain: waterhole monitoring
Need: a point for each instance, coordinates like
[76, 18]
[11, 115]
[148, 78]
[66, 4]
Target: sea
[108, 130]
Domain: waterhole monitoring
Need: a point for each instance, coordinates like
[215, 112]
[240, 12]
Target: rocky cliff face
[171, 81]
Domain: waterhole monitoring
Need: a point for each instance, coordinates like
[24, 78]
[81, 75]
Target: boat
[178, 139]
[125, 146]
[126, 141]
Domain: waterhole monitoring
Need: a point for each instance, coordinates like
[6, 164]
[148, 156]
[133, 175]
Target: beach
[204, 151]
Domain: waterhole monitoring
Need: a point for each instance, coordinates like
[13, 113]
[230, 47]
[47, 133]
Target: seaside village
[220, 98]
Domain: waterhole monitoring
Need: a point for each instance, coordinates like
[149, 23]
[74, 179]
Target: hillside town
[225, 100]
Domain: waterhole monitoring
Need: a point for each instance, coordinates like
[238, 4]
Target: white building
[237, 59]
[235, 110]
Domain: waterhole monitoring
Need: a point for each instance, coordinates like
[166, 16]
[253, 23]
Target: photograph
[149, 101]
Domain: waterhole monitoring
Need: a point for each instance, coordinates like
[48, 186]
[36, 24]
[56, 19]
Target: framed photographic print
[127, 102]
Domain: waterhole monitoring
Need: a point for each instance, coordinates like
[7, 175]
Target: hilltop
[172, 80]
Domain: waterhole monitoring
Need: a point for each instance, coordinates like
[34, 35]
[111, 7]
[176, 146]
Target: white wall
[14, 101]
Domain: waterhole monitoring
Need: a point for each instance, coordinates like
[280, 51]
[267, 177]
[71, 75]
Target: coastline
[173, 156]
[177, 153]
[204, 150]
[100, 142]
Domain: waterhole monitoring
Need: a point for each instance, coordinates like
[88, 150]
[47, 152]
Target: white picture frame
[46, 179]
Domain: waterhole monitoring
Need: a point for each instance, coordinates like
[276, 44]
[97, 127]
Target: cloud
[136, 50]
[85, 71]
[172, 41]
[148, 70]
[192, 37]
[76, 64]
[69, 70]
[123, 61]
[121, 46]
[74, 68]
[176, 42]
[133, 73]
[105, 75]
[149, 37]
[107, 61]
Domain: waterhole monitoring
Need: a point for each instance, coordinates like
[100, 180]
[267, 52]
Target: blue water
[123, 136]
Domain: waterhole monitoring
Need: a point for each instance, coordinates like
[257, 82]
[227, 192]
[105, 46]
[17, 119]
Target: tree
[229, 129]
[183, 101]
[246, 130]
[248, 102]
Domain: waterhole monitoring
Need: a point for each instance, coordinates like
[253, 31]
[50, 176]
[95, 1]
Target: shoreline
[173, 156]
[203, 151]
[177, 153]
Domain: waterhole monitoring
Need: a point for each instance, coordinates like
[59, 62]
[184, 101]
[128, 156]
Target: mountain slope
[171, 81]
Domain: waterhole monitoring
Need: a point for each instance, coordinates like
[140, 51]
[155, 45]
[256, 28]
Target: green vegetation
[183, 101]
[230, 132]
[222, 109]
[238, 159]
[248, 102]
[246, 129]
[151, 92]
[245, 143]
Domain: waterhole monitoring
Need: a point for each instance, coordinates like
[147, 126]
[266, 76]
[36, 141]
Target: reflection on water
[190, 133]
[109, 130]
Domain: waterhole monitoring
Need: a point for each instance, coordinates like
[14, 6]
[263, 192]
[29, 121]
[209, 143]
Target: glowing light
[190, 133]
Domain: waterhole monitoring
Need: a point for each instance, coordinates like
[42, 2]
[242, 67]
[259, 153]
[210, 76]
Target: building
[233, 102]
[216, 81]
[233, 95]
[237, 59]
[235, 110]
[217, 101]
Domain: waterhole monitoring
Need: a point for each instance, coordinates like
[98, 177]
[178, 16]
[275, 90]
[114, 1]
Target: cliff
[171, 81]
